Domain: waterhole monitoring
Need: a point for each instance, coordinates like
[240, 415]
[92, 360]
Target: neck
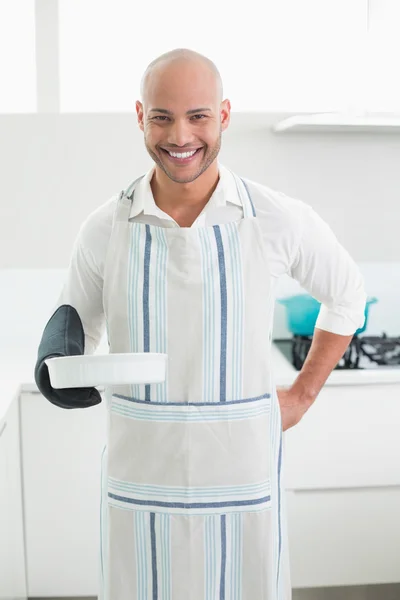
[184, 198]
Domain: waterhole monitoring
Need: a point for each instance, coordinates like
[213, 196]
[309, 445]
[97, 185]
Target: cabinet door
[12, 550]
[62, 464]
[349, 438]
[345, 537]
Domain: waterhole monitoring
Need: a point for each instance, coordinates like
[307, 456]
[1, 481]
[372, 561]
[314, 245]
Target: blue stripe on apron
[209, 553]
[223, 558]
[224, 323]
[133, 292]
[159, 319]
[236, 555]
[146, 291]
[165, 552]
[189, 505]
[180, 404]
[150, 490]
[153, 555]
[141, 555]
[217, 571]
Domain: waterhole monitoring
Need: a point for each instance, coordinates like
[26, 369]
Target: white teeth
[183, 155]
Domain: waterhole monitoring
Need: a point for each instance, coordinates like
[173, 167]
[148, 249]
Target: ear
[140, 114]
[225, 113]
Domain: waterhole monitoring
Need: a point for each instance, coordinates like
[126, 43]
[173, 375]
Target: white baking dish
[90, 370]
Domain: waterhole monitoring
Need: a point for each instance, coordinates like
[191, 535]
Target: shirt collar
[226, 191]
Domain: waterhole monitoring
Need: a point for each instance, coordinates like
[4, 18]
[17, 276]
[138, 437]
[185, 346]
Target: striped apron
[192, 503]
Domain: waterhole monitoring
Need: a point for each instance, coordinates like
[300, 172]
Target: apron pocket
[190, 458]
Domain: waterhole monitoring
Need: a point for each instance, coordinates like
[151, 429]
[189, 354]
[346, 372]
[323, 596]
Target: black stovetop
[363, 352]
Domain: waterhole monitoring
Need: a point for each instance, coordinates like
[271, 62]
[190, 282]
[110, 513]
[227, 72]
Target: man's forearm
[325, 352]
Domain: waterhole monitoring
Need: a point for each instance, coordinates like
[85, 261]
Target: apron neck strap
[249, 211]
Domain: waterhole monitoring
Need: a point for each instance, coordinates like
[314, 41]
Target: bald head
[178, 61]
[182, 110]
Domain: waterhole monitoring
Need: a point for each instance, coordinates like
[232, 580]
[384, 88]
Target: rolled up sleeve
[325, 269]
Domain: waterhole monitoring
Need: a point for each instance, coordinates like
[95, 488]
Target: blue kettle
[302, 313]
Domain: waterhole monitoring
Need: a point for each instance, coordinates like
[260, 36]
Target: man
[185, 262]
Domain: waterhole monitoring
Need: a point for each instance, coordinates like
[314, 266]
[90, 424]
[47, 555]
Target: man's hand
[325, 352]
[292, 408]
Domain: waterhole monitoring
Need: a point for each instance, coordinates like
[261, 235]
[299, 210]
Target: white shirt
[299, 243]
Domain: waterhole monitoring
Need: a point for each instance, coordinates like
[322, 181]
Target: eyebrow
[189, 112]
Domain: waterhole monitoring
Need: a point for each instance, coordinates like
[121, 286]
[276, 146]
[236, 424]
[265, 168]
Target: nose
[180, 134]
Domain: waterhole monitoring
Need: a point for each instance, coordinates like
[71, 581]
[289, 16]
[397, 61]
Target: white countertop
[285, 373]
[17, 375]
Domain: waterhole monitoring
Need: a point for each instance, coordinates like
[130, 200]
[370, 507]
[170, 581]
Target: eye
[163, 117]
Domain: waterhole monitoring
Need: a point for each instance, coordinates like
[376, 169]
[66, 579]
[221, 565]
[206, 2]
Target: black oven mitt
[63, 336]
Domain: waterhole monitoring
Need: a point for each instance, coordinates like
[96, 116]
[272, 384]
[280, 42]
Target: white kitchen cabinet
[61, 456]
[12, 551]
[342, 476]
[344, 537]
[348, 438]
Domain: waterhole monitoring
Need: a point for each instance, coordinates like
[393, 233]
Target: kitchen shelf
[339, 122]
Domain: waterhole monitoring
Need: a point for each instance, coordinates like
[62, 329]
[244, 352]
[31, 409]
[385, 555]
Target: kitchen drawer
[344, 537]
[348, 438]
[62, 461]
[12, 544]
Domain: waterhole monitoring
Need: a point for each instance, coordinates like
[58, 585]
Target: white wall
[55, 169]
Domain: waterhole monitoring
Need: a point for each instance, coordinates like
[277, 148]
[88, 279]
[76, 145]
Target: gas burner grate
[380, 350]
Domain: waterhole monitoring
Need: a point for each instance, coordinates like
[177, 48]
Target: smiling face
[181, 112]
